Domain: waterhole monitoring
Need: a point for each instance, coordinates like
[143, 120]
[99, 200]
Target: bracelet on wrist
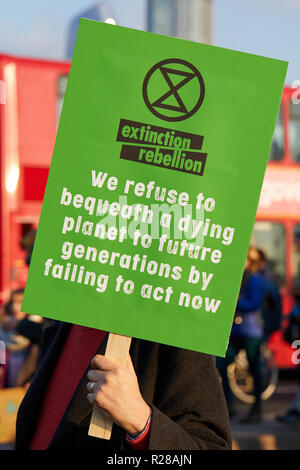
[133, 438]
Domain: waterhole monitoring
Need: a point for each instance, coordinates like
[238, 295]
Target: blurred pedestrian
[3, 352]
[27, 243]
[32, 328]
[272, 305]
[16, 345]
[247, 333]
[22, 335]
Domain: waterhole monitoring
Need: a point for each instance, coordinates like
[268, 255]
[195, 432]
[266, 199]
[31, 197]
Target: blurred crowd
[20, 333]
[22, 336]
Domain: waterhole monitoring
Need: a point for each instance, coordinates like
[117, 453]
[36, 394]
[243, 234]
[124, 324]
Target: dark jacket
[249, 307]
[189, 410]
[252, 294]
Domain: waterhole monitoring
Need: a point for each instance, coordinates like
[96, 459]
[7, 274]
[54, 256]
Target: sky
[38, 28]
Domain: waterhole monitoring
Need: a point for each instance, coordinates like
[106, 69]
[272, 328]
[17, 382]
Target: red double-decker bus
[31, 98]
[277, 226]
[34, 92]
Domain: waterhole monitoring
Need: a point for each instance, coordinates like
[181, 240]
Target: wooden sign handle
[117, 349]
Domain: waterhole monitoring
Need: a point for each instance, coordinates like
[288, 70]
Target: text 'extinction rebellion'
[159, 146]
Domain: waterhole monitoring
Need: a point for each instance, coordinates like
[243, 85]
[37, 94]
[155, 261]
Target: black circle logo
[173, 90]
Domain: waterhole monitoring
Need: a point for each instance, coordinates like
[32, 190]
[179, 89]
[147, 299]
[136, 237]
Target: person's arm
[115, 389]
[188, 410]
[252, 298]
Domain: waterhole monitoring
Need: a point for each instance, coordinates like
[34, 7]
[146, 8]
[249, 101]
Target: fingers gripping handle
[117, 349]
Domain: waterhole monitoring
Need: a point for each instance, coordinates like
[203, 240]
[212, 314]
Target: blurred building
[186, 19]
[99, 12]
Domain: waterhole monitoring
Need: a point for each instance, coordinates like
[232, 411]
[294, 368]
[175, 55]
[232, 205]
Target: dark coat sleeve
[189, 409]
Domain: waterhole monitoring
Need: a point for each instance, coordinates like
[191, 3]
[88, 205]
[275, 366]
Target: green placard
[153, 188]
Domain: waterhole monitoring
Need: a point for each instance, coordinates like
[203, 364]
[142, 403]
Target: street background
[36, 44]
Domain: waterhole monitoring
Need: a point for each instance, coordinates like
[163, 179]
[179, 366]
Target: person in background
[272, 305]
[27, 243]
[247, 333]
[11, 313]
[17, 346]
[3, 352]
[22, 335]
[31, 328]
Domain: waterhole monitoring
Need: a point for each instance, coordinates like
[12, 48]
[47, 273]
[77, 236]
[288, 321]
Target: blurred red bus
[278, 216]
[34, 92]
[31, 98]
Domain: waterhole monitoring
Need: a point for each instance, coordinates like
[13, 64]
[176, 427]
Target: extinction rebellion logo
[173, 90]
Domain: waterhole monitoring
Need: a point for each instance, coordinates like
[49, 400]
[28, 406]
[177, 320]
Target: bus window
[270, 237]
[61, 90]
[295, 131]
[276, 152]
[296, 256]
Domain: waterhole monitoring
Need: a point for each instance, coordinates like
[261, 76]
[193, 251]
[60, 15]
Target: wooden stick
[117, 349]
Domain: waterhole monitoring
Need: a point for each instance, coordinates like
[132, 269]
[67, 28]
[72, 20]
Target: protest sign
[153, 187]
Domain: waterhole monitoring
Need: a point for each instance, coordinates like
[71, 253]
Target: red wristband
[141, 441]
